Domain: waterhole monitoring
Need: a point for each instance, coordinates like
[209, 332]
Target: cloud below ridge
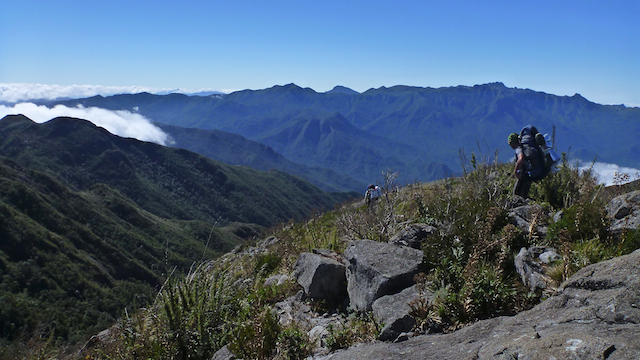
[122, 123]
[607, 172]
[20, 92]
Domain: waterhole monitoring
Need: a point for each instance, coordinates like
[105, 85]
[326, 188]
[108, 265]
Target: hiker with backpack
[534, 158]
[372, 194]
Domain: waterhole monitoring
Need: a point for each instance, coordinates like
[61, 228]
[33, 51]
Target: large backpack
[549, 156]
[533, 153]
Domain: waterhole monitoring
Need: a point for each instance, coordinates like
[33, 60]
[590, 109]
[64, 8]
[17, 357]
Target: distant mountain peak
[291, 88]
[343, 90]
[18, 118]
[497, 84]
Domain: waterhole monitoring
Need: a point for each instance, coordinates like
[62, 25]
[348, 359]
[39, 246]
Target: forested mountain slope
[235, 149]
[167, 182]
[91, 223]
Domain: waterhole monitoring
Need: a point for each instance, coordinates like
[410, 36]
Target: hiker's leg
[525, 187]
[522, 187]
[516, 187]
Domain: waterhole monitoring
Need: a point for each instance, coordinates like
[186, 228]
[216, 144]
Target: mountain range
[419, 132]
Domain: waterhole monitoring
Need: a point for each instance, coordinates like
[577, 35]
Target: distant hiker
[534, 158]
[372, 194]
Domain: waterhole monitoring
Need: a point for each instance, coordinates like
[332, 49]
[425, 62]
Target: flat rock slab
[394, 312]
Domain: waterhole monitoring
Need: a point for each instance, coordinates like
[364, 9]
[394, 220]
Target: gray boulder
[277, 280]
[321, 277]
[223, 354]
[413, 235]
[624, 211]
[377, 269]
[393, 312]
[594, 315]
[558, 216]
[295, 311]
[529, 265]
[549, 256]
[531, 219]
[261, 247]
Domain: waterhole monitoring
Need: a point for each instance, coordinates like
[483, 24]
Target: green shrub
[339, 338]
[192, 318]
[581, 222]
[267, 263]
[197, 312]
[488, 294]
[256, 338]
[359, 328]
[584, 238]
[566, 187]
[294, 344]
[424, 310]
[629, 242]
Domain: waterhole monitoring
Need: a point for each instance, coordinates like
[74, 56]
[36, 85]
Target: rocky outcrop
[531, 219]
[374, 270]
[413, 235]
[594, 315]
[379, 276]
[624, 212]
[223, 354]
[322, 277]
[277, 280]
[377, 269]
[530, 263]
[295, 311]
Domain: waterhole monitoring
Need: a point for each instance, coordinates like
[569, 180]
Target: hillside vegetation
[70, 261]
[92, 224]
[167, 182]
[469, 267]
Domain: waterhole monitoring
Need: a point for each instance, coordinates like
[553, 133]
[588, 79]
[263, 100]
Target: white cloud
[121, 123]
[19, 92]
[607, 172]
[15, 92]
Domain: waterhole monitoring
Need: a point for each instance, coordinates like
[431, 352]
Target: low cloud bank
[121, 123]
[607, 173]
[23, 92]
[19, 92]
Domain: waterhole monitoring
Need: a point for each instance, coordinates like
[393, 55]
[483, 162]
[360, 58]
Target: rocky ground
[593, 315]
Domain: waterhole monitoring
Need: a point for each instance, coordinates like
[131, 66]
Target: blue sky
[558, 47]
